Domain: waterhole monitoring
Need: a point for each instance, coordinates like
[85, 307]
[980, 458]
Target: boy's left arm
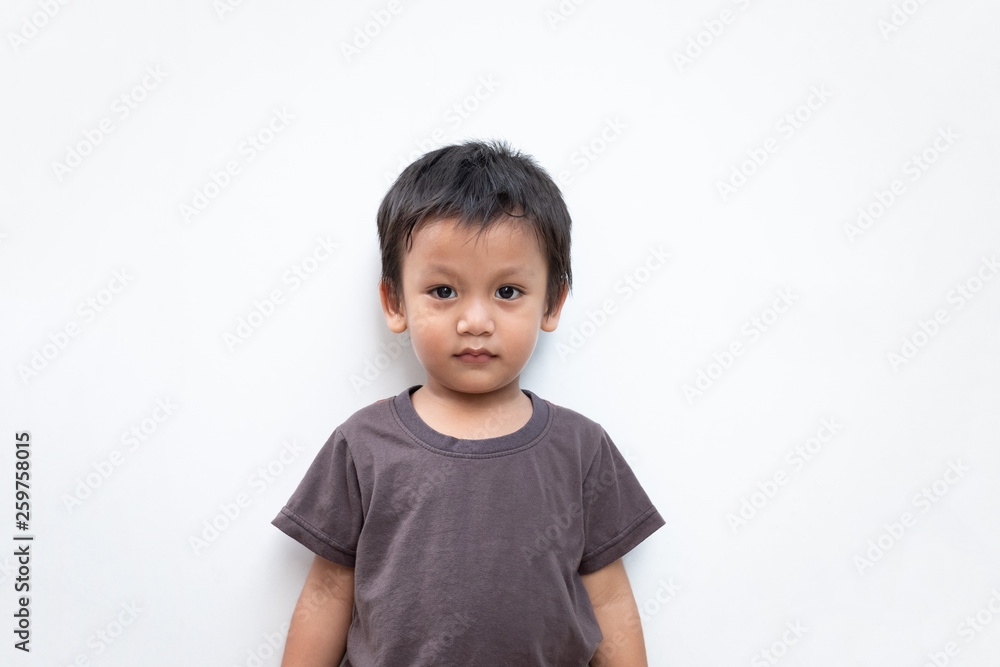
[617, 614]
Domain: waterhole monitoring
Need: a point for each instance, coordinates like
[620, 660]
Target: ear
[394, 315]
[550, 321]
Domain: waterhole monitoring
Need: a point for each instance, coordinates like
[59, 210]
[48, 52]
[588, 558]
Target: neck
[473, 416]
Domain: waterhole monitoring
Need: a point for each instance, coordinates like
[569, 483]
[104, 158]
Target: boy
[466, 521]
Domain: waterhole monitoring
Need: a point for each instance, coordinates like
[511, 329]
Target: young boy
[466, 521]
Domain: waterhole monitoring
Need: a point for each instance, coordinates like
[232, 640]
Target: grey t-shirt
[469, 552]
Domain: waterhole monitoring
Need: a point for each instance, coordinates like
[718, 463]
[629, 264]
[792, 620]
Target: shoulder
[365, 432]
[379, 413]
[371, 421]
[568, 421]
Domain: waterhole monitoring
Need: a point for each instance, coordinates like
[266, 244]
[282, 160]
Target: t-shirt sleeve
[618, 514]
[325, 512]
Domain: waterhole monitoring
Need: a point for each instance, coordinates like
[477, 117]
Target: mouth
[475, 355]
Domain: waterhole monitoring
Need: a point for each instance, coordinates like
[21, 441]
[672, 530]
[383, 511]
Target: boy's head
[477, 184]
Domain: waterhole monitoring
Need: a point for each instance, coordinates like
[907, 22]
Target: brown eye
[443, 292]
[507, 292]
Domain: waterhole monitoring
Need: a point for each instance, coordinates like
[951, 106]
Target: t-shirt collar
[522, 438]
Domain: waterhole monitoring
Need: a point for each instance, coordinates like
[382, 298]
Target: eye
[443, 292]
[507, 292]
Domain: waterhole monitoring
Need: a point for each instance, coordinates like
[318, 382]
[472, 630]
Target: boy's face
[473, 306]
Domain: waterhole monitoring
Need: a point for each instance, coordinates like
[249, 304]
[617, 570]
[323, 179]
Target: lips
[476, 351]
[475, 355]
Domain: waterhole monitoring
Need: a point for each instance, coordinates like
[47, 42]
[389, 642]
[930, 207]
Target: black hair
[478, 183]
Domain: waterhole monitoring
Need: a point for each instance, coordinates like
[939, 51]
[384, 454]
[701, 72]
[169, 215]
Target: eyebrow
[504, 272]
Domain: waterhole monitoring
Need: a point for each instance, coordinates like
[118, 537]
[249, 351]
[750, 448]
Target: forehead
[448, 242]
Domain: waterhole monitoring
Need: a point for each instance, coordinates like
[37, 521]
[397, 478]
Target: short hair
[479, 183]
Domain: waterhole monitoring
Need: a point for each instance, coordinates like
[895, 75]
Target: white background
[662, 132]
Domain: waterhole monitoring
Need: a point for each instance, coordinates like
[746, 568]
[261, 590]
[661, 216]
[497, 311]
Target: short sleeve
[617, 513]
[325, 511]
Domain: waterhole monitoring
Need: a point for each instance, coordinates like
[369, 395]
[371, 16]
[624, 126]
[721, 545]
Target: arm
[617, 614]
[317, 636]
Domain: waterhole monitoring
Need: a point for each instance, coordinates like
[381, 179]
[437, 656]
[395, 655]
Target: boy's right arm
[317, 635]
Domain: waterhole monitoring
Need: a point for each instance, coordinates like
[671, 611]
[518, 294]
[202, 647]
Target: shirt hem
[313, 539]
[645, 525]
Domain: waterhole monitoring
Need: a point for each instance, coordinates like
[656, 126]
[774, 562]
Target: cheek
[421, 351]
[523, 338]
[426, 322]
[426, 334]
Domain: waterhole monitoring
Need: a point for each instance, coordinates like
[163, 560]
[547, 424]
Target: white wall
[716, 592]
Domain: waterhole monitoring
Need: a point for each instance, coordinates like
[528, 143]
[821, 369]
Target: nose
[475, 318]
